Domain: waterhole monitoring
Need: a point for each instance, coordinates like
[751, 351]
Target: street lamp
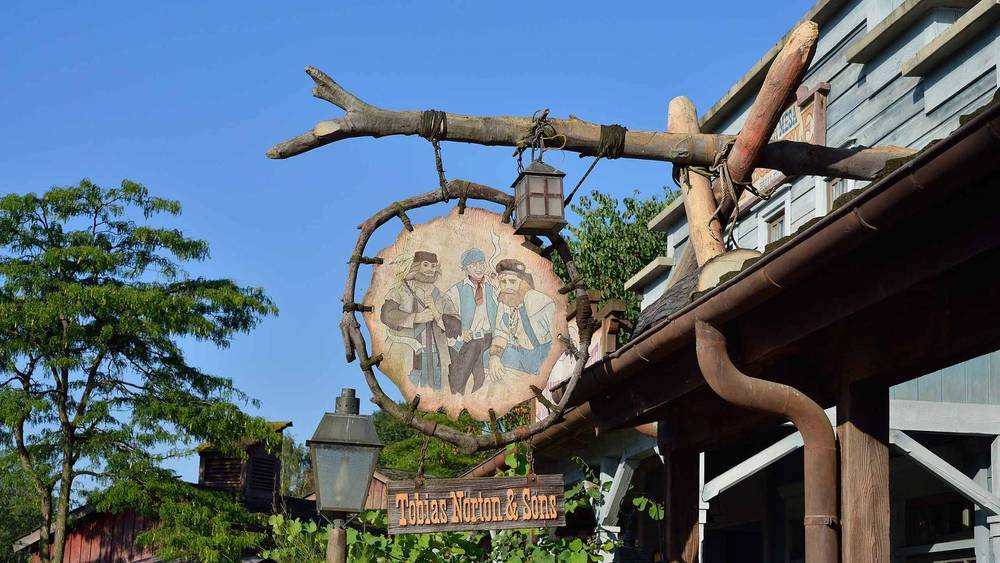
[538, 200]
[344, 450]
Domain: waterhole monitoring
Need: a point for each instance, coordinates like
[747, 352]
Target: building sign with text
[804, 121]
[451, 505]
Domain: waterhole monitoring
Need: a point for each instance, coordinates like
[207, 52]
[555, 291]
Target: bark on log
[699, 201]
[365, 120]
[780, 83]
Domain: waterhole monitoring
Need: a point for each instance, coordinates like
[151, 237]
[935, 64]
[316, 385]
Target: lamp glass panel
[536, 184]
[556, 205]
[343, 474]
[522, 208]
[555, 186]
[537, 205]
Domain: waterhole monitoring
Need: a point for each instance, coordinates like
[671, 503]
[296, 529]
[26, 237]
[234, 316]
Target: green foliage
[612, 242]
[18, 504]
[403, 443]
[295, 541]
[195, 523]
[296, 469]
[93, 382]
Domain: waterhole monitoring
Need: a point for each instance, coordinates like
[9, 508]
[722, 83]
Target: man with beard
[476, 299]
[420, 319]
[523, 336]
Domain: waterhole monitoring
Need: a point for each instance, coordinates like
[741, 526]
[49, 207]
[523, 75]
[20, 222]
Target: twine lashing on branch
[611, 146]
[433, 126]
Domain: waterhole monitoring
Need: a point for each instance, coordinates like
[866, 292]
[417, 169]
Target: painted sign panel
[465, 315]
[805, 121]
[492, 503]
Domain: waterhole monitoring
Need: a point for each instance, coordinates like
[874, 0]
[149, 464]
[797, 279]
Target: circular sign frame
[356, 347]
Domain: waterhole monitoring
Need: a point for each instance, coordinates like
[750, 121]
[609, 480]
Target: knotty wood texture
[491, 503]
[681, 474]
[863, 431]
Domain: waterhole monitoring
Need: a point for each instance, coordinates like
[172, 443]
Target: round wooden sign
[465, 315]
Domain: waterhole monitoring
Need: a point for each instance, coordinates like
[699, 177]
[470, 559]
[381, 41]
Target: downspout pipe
[733, 386]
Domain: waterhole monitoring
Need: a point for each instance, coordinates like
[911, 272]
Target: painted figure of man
[420, 319]
[523, 335]
[476, 299]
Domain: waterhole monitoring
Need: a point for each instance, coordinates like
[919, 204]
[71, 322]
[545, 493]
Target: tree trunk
[705, 230]
[62, 506]
[365, 120]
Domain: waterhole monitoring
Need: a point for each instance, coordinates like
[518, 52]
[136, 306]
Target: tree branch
[696, 149]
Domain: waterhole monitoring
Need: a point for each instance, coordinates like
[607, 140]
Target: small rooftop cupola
[256, 477]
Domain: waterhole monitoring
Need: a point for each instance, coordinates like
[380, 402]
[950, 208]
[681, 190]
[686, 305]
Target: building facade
[886, 72]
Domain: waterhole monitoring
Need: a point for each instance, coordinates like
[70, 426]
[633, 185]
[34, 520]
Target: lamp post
[344, 450]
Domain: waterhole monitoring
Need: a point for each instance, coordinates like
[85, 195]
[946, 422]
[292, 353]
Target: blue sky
[186, 96]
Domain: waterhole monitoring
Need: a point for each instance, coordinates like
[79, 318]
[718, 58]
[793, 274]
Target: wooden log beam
[705, 230]
[365, 120]
[681, 521]
[780, 83]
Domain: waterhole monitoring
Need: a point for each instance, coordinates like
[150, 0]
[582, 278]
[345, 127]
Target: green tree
[296, 469]
[403, 445]
[93, 305]
[612, 241]
[17, 504]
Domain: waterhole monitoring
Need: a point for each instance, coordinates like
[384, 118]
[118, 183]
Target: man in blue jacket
[475, 297]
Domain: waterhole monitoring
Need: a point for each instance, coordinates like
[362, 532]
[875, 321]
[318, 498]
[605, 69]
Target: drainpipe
[817, 434]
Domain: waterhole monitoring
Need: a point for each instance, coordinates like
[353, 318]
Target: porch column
[682, 504]
[863, 434]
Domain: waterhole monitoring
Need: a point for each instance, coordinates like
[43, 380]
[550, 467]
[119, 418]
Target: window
[836, 187]
[776, 227]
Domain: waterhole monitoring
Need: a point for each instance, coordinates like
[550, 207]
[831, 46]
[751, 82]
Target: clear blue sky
[186, 96]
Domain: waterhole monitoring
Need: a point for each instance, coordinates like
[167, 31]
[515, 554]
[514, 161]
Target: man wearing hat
[420, 320]
[476, 299]
[523, 335]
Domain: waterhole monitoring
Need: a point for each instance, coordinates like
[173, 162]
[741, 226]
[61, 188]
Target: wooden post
[863, 432]
[780, 84]
[681, 514]
[705, 231]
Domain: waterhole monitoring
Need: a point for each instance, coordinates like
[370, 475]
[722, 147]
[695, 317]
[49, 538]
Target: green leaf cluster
[403, 444]
[612, 241]
[94, 305]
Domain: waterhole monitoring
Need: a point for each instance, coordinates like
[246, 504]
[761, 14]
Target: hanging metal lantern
[538, 200]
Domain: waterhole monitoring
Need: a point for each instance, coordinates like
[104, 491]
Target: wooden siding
[873, 104]
[106, 538]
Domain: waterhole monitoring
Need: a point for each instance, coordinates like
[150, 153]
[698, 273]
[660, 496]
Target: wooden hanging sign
[492, 503]
[465, 316]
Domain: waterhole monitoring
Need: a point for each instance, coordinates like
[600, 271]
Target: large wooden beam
[704, 229]
[681, 518]
[780, 83]
[863, 433]
[365, 120]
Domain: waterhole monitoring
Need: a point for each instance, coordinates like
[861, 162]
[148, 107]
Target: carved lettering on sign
[476, 504]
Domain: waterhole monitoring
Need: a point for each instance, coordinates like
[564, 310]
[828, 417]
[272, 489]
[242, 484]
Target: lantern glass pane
[522, 208]
[555, 186]
[519, 189]
[537, 206]
[537, 184]
[344, 474]
[556, 205]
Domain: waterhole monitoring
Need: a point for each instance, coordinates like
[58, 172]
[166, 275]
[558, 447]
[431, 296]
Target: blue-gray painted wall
[873, 104]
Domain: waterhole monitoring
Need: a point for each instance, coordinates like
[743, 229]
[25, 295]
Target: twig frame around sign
[356, 347]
